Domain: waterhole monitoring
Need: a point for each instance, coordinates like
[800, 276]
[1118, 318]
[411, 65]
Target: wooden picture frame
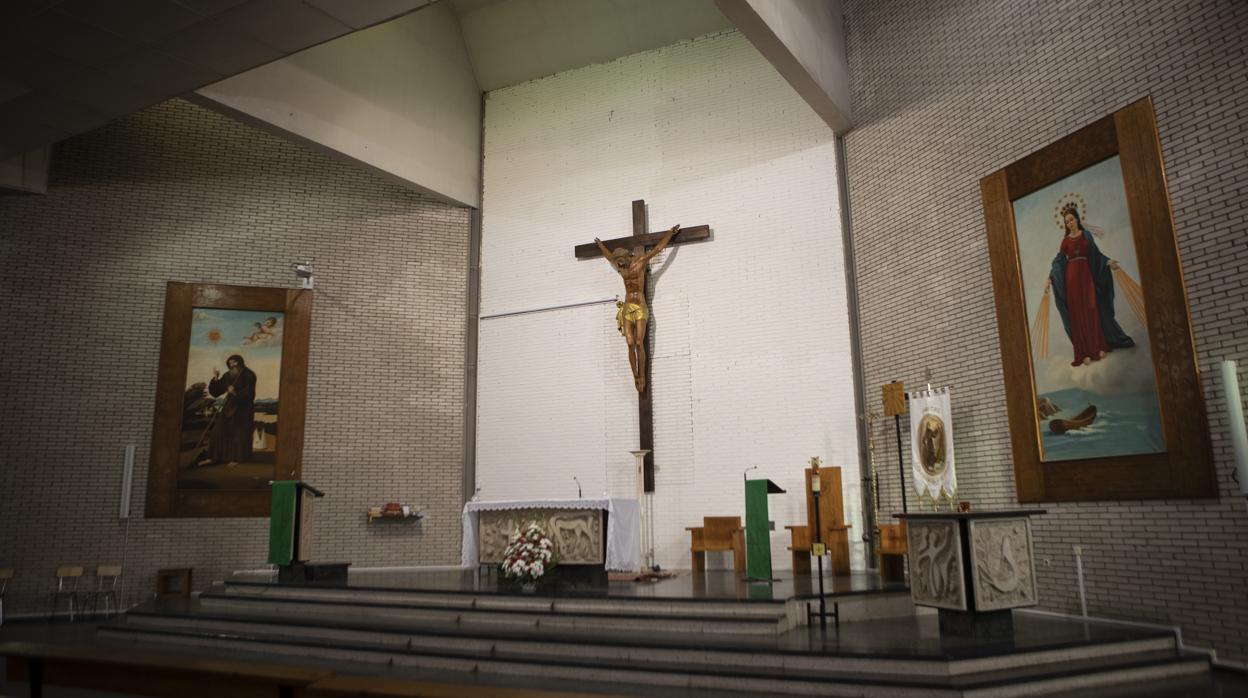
[195, 307]
[1182, 466]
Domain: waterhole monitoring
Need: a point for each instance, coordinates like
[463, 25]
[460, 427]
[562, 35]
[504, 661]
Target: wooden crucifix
[630, 257]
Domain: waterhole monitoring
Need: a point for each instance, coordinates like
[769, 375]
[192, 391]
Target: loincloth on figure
[629, 312]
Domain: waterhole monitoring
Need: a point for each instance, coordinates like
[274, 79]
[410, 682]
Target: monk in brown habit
[633, 314]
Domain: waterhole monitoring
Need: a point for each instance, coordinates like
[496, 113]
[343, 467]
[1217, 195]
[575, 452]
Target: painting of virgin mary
[1096, 394]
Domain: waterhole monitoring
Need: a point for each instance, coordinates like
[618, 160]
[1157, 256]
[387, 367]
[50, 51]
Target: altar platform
[712, 632]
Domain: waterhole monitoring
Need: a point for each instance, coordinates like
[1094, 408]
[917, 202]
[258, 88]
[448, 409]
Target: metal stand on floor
[818, 549]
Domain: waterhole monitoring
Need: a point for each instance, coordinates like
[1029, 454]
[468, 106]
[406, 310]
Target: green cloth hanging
[282, 522]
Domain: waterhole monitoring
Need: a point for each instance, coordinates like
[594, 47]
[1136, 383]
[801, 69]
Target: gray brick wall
[176, 192]
[946, 93]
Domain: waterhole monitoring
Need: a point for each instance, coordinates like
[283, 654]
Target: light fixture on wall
[1235, 413]
[303, 272]
[127, 480]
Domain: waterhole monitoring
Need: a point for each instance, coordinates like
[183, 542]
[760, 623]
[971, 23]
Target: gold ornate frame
[164, 499]
[1186, 468]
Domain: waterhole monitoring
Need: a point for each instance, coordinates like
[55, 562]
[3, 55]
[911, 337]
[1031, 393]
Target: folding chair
[106, 578]
[67, 579]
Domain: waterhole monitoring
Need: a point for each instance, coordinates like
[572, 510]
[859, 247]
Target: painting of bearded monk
[229, 418]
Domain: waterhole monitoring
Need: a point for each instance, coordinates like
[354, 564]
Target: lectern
[758, 528]
[290, 535]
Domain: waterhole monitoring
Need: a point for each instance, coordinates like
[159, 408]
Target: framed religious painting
[230, 399]
[1102, 387]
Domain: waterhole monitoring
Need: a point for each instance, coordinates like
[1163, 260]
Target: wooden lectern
[290, 536]
[835, 534]
[758, 528]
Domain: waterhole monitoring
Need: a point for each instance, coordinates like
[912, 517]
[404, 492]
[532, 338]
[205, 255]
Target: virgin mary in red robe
[1083, 291]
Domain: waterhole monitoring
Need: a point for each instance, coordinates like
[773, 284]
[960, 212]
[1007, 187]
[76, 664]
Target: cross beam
[638, 243]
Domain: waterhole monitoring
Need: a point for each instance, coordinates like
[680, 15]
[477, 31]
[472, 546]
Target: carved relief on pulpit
[936, 564]
[1002, 564]
[577, 535]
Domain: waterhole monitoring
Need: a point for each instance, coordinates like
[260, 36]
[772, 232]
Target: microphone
[578, 486]
[752, 467]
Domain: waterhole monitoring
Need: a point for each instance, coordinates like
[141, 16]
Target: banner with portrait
[931, 443]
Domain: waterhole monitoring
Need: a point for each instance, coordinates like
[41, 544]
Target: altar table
[972, 566]
[623, 526]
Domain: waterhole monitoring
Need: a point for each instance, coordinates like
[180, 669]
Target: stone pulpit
[972, 566]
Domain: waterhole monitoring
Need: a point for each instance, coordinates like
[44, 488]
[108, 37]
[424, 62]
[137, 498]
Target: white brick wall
[946, 94]
[751, 360]
[179, 193]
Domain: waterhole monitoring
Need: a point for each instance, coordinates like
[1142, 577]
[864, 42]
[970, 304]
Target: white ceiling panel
[218, 45]
[133, 20]
[106, 96]
[56, 113]
[513, 41]
[286, 25]
[69, 38]
[157, 73]
[359, 15]
[208, 8]
[67, 66]
[11, 90]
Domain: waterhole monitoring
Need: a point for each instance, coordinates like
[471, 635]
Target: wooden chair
[6, 573]
[831, 520]
[106, 578]
[67, 579]
[717, 533]
[893, 549]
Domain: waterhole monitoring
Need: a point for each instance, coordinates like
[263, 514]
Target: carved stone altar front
[974, 567]
[1001, 564]
[577, 535]
[936, 564]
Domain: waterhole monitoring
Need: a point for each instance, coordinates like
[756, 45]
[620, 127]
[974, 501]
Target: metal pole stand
[817, 548]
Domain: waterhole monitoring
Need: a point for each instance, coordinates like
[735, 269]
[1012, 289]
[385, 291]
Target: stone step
[709, 608]
[652, 648]
[748, 672]
[523, 616]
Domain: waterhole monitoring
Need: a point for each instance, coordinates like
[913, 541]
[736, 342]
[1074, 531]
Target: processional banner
[931, 443]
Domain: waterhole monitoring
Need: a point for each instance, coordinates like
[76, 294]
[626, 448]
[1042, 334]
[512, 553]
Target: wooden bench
[893, 550]
[150, 674]
[717, 533]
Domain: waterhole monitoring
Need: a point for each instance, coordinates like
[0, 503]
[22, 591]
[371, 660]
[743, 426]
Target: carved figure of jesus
[633, 314]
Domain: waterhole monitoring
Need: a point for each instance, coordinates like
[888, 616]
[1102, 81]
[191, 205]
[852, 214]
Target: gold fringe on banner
[1133, 293]
[1040, 329]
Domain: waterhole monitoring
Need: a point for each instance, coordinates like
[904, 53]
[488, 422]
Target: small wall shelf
[405, 513]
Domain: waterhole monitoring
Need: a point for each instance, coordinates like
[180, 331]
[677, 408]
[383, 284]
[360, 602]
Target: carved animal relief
[577, 535]
[1001, 558]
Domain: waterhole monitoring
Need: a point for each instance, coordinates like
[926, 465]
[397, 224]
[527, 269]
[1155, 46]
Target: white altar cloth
[623, 526]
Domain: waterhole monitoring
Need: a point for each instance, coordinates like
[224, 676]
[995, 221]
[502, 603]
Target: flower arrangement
[529, 554]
